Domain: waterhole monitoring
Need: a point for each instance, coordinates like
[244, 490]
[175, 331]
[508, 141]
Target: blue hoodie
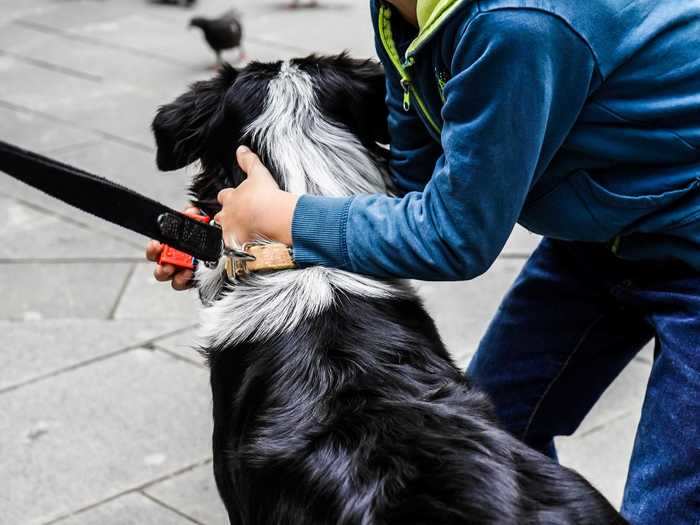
[578, 119]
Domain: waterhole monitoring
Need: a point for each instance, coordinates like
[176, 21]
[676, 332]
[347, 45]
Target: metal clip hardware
[236, 261]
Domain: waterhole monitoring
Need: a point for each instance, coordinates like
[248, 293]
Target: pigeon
[221, 33]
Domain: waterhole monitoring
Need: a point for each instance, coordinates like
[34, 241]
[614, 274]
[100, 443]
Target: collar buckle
[237, 261]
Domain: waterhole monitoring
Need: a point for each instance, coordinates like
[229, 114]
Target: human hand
[180, 279]
[257, 208]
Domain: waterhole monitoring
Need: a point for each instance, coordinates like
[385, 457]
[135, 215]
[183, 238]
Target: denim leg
[557, 341]
[663, 486]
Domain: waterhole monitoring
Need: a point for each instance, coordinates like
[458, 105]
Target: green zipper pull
[409, 93]
[406, 85]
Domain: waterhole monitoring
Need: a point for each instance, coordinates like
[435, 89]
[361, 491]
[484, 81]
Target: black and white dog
[334, 400]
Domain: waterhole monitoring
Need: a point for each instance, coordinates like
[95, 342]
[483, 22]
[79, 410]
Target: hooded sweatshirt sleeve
[519, 79]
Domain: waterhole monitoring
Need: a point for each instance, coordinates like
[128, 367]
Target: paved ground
[105, 414]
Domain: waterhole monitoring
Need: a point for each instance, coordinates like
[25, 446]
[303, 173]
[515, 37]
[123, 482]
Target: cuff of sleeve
[319, 231]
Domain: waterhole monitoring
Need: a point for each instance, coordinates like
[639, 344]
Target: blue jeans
[572, 321]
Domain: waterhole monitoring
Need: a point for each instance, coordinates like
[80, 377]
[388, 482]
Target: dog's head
[316, 122]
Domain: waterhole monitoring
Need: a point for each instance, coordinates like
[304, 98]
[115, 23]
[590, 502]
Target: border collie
[334, 399]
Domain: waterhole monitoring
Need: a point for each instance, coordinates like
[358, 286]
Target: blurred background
[105, 412]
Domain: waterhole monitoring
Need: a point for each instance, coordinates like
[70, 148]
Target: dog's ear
[182, 128]
[355, 92]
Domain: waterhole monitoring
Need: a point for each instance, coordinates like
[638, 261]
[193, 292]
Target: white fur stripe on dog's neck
[314, 155]
[311, 153]
[263, 306]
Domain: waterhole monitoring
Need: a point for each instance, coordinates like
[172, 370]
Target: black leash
[112, 202]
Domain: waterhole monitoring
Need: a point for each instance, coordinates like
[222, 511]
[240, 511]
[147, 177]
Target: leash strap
[112, 202]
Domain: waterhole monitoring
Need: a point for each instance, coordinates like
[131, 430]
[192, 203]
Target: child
[580, 121]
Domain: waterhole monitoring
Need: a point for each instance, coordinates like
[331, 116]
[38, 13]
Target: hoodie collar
[431, 15]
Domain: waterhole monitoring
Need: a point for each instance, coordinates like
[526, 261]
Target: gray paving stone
[75, 15]
[193, 493]
[47, 88]
[647, 354]
[603, 456]
[521, 242]
[131, 509]
[15, 37]
[31, 233]
[33, 291]
[463, 310]
[146, 298]
[160, 79]
[95, 432]
[333, 28]
[33, 349]
[119, 109]
[183, 344]
[625, 396]
[38, 133]
[12, 9]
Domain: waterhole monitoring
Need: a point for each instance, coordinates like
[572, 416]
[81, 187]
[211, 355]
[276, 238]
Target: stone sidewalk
[106, 409]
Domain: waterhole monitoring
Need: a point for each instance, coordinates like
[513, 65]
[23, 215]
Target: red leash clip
[177, 258]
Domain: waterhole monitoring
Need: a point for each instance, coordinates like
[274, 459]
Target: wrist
[280, 217]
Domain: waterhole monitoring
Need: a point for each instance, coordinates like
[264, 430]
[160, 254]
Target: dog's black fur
[358, 416]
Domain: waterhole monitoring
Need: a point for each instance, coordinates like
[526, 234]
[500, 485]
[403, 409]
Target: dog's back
[359, 417]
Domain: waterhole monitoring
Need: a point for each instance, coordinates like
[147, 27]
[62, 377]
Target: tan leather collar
[264, 257]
